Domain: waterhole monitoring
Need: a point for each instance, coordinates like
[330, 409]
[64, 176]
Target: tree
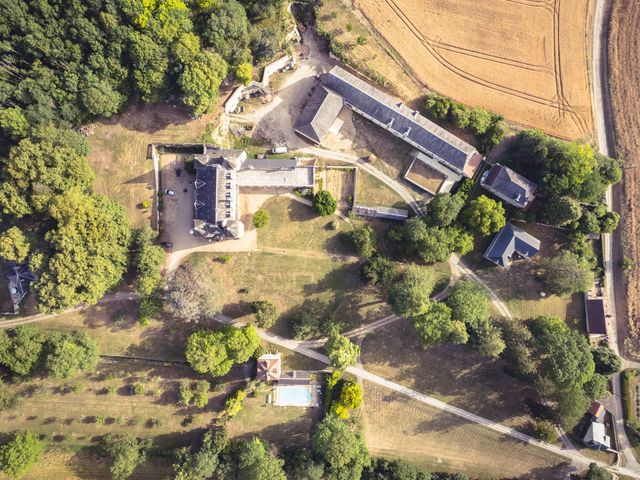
[227, 31]
[488, 339]
[350, 399]
[564, 354]
[21, 453]
[545, 431]
[200, 82]
[609, 168]
[14, 245]
[88, 246]
[609, 222]
[484, 215]
[596, 387]
[21, 349]
[244, 73]
[383, 469]
[606, 361]
[215, 352]
[194, 294]
[127, 453]
[438, 106]
[444, 209]
[68, 354]
[147, 261]
[566, 273]
[266, 313]
[379, 271]
[434, 325]
[251, 460]
[480, 120]
[469, 303]
[410, 296]
[150, 65]
[342, 450]
[264, 41]
[203, 463]
[341, 351]
[562, 211]
[101, 98]
[300, 465]
[598, 473]
[36, 171]
[460, 115]
[13, 123]
[363, 239]
[571, 405]
[323, 203]
[260, 219]
[567, 167]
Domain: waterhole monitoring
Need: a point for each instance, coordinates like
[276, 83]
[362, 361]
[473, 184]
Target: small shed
[269, 367]
[596, 317]
[386, 213]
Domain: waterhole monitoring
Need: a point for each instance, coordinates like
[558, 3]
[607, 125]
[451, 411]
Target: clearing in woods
[624, 44]
[526, 59]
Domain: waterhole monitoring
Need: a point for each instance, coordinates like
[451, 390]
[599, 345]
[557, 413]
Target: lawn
[296, 227]
[398, 427]
[284, 426]
[119, 152]
[451, 373]
[331, 285]
[517, 285]
[372, 192]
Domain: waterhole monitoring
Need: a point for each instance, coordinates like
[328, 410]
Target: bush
[185, 394]
[139, 389]
[145, 204]
[21, 453]
[260, 219]
[379, 271]
[149, 308]
[362, 40]
[545, 431]
[363, 239]
[323, 203]
[201, 395]
[235, 403]
[265, 312]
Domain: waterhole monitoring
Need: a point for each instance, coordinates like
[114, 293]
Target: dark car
[167, 244]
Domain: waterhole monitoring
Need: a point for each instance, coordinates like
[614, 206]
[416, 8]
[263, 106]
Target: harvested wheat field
[624, 56]
[526, 59]
[398, 427]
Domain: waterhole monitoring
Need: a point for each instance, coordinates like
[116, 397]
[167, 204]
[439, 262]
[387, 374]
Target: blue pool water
[294, 396]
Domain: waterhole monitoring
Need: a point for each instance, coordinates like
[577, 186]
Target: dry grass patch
[451, 373]
[538, 77]
[340, 182]
[398, 427]
[119, 152]
[371, 191]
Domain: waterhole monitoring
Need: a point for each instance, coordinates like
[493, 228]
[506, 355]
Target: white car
[171, 193]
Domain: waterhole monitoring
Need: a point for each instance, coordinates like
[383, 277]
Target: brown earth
[624, 48]
[526, 59]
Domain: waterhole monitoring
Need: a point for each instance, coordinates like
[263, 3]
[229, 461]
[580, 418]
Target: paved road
[363, 374]
[606, 144]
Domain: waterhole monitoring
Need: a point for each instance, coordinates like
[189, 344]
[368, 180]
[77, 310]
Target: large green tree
[410, 296]
[71, 353]
[87, 251]
[194, 293]
[343, 451]
[127, 454]
[215, 352]
[341, 351]
[364, 240]
[21, 454]
[21, 349]
[200, 81]
[227, 31]
[484, 215]
[251, 460]
[469, 303]
[14, 245]
[434, 325]
[567, 273]
[444, 209]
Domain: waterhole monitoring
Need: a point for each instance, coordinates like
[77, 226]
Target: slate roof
[511, 243]
[318, 115]
[399, 119]
[596, 319]
[509, 185]
[205, 193]
[19, 280]
[270, 164]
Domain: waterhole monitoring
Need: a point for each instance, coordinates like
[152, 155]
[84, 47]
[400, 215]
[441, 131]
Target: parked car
[171, 193]
[279, 149]
[167, 244]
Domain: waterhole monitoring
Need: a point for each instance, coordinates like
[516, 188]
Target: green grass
[371, 191]
[289, 281]
[295, 226]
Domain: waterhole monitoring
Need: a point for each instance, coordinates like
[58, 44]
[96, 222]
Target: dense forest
[66, 62]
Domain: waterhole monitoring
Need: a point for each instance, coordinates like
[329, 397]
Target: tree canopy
[194, 294]
[14, 245]
[251, 460]
[71, 353]
[343, 451]
[363, 238]
[127, 453]
[567, 273]
[484, 215]
[324, 203]
[216, 351]
[443, 209]
[341, 351]
[21, 453]
[21, 349]
[410, 296]
[469, 303]
[434, 325]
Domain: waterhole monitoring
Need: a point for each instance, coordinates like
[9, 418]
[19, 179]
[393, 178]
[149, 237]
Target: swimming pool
[293, 396]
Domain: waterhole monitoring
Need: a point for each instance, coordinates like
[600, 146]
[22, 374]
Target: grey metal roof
[381, 212]
[318, 115]
[596, 318]
[511, 242]
[270, 164]
[399, 118]
[509, 185]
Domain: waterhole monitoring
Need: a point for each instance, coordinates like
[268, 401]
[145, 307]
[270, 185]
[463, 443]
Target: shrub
[201, 395]
[379, 271]
[145, 204]
[545, 431]
[362, 40]
[185, 394]
[323, 203]
[235, 403]
[265, 312]
[260, 219]
[363, 239]
[627, 396]
[139, 389]
[21, 453]
[100, 420]
[149, 308]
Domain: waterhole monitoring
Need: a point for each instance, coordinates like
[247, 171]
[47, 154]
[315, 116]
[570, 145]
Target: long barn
[432, 140]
